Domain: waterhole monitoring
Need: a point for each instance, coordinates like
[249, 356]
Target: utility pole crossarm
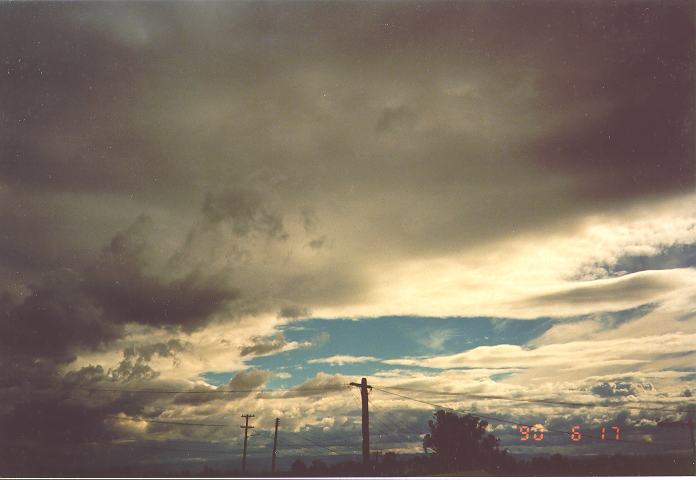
[359, 385]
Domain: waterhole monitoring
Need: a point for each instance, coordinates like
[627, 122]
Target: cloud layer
[179, 181]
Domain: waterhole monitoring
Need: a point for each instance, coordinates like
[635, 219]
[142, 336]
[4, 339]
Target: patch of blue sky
[675, 256]
[388, 338]
[217, 378]
[385, 338]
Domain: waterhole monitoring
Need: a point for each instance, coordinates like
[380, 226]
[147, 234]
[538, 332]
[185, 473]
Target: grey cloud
[309, 220]
[68, 310]
[394, 117]
[294, 311]
[133, 371]
[174, 105]
[674, 256]
[634, 288]
[61, 413]
[264, 346]
[249, 379]
[647, 134]
[317, 243]
[118, 281]
[244, 209]
[146, 352]
[321, 384]
[620, 389]
[54, 319]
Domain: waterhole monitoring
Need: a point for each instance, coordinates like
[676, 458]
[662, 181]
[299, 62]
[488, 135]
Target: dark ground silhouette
[456, 445]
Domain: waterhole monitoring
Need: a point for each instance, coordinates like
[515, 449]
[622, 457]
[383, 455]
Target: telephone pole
[365, 419]
[275, 446]
[246, 428]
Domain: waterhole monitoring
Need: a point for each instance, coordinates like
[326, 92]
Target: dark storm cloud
[456, 117]
[60, 414]
[60, 119]
[119, 283]
[69, 312]
[57, 317]
[639, 61]
[23, 243]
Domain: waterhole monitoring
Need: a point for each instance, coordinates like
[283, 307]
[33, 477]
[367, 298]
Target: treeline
[556, 465]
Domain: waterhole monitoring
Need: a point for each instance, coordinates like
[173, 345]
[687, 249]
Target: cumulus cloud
[621, 389]
[344, 359]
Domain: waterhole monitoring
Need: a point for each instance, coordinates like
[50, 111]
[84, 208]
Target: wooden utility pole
[275, 446]
[246, 428]
[365, 419]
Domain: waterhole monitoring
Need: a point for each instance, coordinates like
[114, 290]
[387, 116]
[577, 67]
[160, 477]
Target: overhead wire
[312, 442]
[166, 422]
[543, 401]
[395, 434]
[380, 422]
[210, 392]
[496, 419]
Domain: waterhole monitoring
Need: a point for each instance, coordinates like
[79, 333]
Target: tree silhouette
[461, 442]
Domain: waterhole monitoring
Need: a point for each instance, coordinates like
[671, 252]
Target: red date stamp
[536, 433]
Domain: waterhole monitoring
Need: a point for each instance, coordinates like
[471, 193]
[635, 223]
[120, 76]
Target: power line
[387, 416]
[208, 392]
[397, 431]
[316, 444]
[543, 401]
[495, 419]
[192, 424]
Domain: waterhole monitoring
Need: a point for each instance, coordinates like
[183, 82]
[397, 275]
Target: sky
[472, 204]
